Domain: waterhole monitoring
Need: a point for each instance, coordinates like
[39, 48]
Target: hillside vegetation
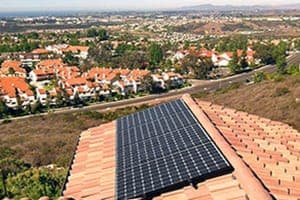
[51, 139]
[274, 99]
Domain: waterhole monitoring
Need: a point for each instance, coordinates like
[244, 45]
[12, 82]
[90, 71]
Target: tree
[3, 109]
[232, 43]
[10, 166]
[203, 70]
[147, 83]
[155, 53]
[11, 71]
[279, 50]
[279, 54]
[200, 68]
[244, 62]
[70, 59]
[37, 182]
[297, 45]
[122, 48]
[103, 34]
[281, 63]
[264, 53]
[92, 32]
[34, 108]
[77, 99]
[234, 63]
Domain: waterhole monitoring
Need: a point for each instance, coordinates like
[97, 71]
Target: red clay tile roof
[93, 171]
[263, 153]
[76, 81]
[40, 51]
[10, 84]
[76, 49]
[271, 149]
[11, 63]
[15, 65]
[50, 63]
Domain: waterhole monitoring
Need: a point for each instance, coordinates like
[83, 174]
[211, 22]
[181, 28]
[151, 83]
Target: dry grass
[51, 139]
[278, 101]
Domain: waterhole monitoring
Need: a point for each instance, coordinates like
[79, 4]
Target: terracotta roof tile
[76, 49]
[12, 64]
[261, 157]
[40, 51]
[9, 85]
[50, 63]
[267, 148]
[92, 174]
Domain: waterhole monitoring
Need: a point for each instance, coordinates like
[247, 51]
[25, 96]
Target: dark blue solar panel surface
[163, 147]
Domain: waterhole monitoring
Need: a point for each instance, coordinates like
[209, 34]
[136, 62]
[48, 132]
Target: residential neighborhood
[52, 80]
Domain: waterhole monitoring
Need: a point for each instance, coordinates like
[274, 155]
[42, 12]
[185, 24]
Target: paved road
[294, 59]
[198, 86]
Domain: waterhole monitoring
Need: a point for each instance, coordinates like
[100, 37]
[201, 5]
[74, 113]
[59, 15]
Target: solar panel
[164, 148]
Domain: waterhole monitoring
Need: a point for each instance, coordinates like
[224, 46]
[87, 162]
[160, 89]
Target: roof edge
[248, 180]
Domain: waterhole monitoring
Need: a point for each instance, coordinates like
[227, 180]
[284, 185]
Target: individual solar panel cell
[163, 147]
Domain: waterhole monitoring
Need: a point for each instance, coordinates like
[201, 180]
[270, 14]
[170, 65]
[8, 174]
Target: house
[40, 52]
[122, 72]
[57, 48]
[122, 87]
[97, 73]
[259, 157]
[105, 90]
[179, 55]
[29, 59]
[47, 96]
[53, 95]
[158, 81]
[50, 63]
[223, 59]
[174, 79]
[67, 72]
[78, 51]
[41, 96]
[16, 92]
[42, 75]
[35, 56]
[140, 80]
[109, 79]
[12, 68]
[81, 86]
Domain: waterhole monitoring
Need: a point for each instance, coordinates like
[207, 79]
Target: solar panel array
[163, 148]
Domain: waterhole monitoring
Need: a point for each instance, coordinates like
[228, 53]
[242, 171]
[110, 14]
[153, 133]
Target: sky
[50, 5]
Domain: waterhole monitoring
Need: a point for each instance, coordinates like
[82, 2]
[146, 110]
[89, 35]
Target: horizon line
[90, 9]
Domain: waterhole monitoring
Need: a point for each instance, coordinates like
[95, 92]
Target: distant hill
[211, 7]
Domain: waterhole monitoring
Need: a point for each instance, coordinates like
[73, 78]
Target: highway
[198, 86]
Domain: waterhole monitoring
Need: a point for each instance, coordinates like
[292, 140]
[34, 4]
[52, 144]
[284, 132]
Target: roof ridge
[253, 187]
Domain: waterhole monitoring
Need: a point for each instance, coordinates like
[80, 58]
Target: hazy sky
[10, 5]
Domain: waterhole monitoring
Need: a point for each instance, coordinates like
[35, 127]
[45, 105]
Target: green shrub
[259, 77]
[293, 70]
[277, 77]
[37, 182]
